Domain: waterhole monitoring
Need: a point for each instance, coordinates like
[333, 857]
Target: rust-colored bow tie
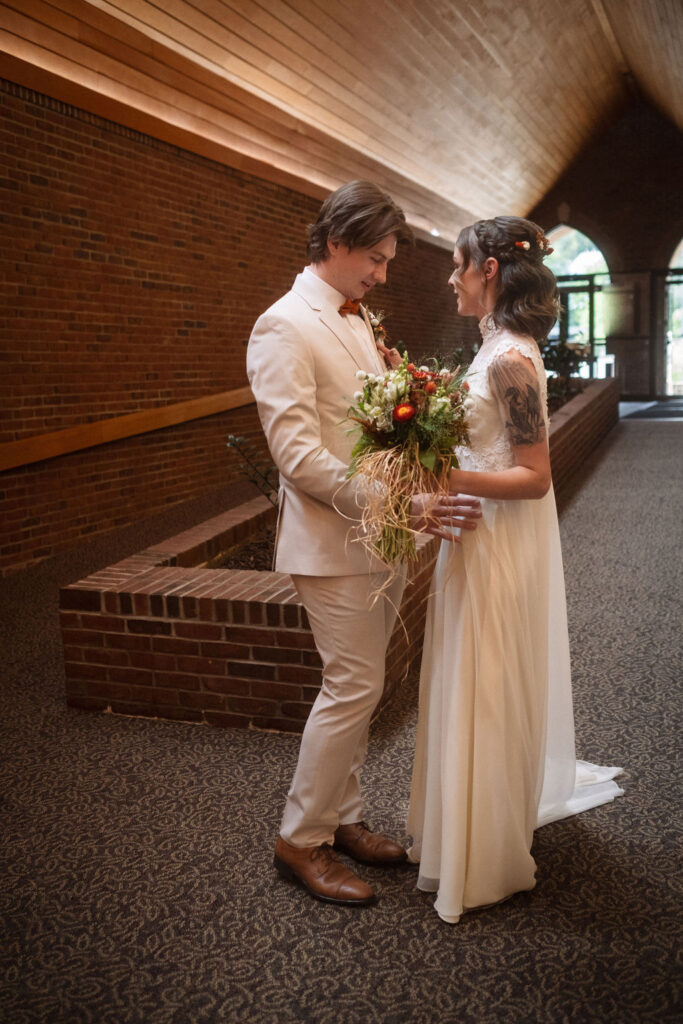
[349, 306]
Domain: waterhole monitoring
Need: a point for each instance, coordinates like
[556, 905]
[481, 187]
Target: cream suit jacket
[302, 361]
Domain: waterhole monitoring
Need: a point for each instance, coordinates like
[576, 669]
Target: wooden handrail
[88, 435]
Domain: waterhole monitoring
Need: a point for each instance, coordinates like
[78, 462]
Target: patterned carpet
[135, 856]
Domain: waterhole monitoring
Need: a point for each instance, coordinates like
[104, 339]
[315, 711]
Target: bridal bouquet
[409, 420]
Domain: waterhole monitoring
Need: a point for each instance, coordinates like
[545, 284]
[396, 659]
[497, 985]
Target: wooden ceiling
[461, 109]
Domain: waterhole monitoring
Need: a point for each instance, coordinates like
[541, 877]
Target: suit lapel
[333, 322]
[348, 339]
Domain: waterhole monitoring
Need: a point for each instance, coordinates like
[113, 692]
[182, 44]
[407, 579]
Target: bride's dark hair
[528, 300]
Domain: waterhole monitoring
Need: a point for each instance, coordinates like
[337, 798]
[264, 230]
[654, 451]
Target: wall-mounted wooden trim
[88, 435]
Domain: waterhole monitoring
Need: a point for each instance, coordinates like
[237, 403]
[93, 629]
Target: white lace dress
[494, 752]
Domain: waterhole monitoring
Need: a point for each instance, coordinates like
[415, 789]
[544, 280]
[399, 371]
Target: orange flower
[403, 412]
[430, 388]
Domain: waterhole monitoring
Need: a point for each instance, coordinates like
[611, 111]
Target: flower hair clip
[541, 241]
[543, 244]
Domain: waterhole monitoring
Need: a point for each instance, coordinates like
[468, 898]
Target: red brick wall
[624, 191]
[48, 506]
[159, 634]
[576, 430]
[132, 274]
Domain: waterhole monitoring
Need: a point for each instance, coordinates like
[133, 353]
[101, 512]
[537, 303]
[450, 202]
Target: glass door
[583, 321]
[673, 300]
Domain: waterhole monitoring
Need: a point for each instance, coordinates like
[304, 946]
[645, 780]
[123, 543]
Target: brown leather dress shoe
[322, 874]
[368, 847]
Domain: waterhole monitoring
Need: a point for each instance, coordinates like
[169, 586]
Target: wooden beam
[88, 435]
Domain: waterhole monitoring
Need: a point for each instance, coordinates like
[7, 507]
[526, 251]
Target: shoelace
[323, 852]
[361, 826]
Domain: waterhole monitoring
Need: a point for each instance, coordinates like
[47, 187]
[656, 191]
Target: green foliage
[258, 470]
[428, 460]
[446, 362]
[562, 359]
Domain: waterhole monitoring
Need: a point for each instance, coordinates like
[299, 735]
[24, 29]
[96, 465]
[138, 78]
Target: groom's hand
[438, 514]
[392, 357]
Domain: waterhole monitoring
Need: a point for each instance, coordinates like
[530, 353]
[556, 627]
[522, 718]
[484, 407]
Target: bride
[495, 740]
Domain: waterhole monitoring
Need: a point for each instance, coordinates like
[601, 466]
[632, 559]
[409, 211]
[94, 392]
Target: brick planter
[579, 427]
[160, 635]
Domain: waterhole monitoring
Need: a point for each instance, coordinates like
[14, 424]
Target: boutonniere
[376, 324]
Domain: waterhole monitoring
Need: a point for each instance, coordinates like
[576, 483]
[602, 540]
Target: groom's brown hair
[359, 214]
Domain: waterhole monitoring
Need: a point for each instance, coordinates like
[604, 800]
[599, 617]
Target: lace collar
[487, 326]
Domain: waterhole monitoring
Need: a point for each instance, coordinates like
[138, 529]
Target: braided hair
[528, 301]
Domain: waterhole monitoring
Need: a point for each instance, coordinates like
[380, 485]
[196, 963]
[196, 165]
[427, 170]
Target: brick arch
[676, 258]
[593, 233]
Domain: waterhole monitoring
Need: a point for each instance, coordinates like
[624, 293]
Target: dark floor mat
[672, 409]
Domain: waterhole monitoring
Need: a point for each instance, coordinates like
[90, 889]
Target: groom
[302, 360]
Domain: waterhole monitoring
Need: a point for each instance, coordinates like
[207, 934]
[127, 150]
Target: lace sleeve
[515, 386]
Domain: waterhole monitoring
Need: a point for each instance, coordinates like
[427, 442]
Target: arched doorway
[674, 323]
[574, 253]
[583, 278]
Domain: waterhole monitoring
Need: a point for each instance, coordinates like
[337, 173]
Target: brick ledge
[159, 635]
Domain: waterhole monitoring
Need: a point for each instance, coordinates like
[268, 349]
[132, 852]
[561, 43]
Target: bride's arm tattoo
[526, 419]
[515, 385]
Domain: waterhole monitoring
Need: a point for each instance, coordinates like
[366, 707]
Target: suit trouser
[351, 637]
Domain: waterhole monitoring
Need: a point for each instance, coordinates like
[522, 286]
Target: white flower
[468, 403]
[357, 395]
[361, 375]
[436, 404]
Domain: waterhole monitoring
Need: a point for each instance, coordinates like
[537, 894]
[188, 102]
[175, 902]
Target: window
[583, 279]
[674, 323]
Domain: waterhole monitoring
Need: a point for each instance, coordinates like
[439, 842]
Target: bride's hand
[438, 514]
